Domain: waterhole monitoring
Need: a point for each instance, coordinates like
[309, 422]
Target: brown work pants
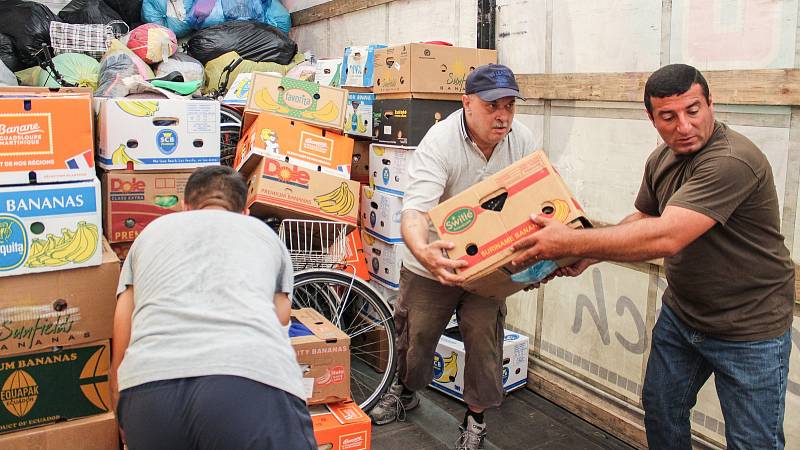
[421, 314]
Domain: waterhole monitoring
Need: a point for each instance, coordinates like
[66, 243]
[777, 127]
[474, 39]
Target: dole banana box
[305, 101]
[427, 68]
[295, 142]
[383, 260]
[328, 72]
[324, 356]
[341, 426]
[380, 215]
[98, 432]
[358, 116]
[47, 227]
[358, 65]
[51, 386]
[405, 121]
[157, 134]
[46, 134]
[131, 200]
[67, 307]
[285, 190]
[488, 218]
[359, 168]
[450, 358]
[388, 168]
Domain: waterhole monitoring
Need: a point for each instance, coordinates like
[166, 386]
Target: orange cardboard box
[355, 259]
[46, 132]
[296, 142]
[488, 218]
[341, 426]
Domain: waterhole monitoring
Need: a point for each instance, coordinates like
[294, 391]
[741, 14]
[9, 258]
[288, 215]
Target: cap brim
[495, 94]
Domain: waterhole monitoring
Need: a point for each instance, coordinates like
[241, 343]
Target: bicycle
[45, 60]
[317, 249]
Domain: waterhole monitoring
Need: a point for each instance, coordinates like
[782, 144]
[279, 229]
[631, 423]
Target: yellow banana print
[121, 157]
[139, 108]
[339, 201]
[450, 370]
[72, 246]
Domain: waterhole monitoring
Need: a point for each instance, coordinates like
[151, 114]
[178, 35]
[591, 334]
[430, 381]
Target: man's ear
[186, 206]
[465, 102]
[246, 211]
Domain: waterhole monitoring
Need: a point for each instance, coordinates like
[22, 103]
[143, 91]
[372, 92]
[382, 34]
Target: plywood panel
[421, 20]
[326, 10]
[606, 35]
[594, 326]
[521, 316]
[703, 33]
[364, 27]
[774, 142]
[521, 34]
[602, 161]
[314, 37]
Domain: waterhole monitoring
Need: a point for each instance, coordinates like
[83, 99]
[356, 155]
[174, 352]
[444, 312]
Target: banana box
[239, 91]
[328, 72]
[405, 121]
[485, 220]
[358, 65]
[305, 101]
[380, 215]
[358, 117]
[158, 134]
[355, 261]
[295, 142]
[47, 227]
[450, 357]
[98, 432]
[388, 168]
[288, 191]
[341, 426]
[323, 351]
[46, 135]
[52, 386]
[131, 200]
[383, 260]
[359, 168]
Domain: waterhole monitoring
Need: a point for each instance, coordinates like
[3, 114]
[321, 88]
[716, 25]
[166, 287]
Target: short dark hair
[216, 185]
[674, 79]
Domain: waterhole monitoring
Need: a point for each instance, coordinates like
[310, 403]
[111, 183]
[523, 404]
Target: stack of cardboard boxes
[57, 275]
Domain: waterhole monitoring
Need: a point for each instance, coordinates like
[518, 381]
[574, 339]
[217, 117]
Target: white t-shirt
[203, 284]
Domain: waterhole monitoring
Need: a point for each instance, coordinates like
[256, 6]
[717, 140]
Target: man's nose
[684, 126]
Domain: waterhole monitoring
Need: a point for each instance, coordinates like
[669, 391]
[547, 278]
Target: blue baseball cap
[491, 82]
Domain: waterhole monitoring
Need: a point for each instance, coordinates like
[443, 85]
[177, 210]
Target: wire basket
[314, 243]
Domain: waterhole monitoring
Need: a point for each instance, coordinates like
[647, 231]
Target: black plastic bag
[88, 11]
[28, 25]
[7, 55]
[129, 10]
[254, 41]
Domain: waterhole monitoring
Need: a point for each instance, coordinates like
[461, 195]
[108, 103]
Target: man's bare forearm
[637, 238]
[414, 227]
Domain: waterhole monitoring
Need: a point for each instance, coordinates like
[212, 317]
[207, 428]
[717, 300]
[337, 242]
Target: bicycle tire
[230, 128]
[370, 376]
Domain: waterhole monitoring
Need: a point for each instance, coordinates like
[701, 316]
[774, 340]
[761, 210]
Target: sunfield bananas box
[487, 219]
[98, 432]
[306, 101]
[341, 426]
[157, 134]
[47, 387]
[383, 260]
[323, 351]
[405, 121]
[380, 215]
[427, 68]
[131, 200]
[358, 65]
[295, 142]
[284, 190]
[46, 227]
[358, 117]
[388, 168]
[67, 307]
[450, 358]
[46, 133]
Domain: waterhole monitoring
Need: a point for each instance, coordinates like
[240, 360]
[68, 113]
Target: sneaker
[472, 435]
[393, 405]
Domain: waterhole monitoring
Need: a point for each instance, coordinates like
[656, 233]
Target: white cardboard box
[383, 260]
[328, 72]
[358, 65]
[358, 116]
[239, 90]
[380, 215]
[388, 167]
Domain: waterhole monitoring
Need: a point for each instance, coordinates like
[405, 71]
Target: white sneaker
[472, 435]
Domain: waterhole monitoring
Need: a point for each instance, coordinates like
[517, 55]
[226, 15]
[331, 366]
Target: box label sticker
[459, 220]
[26, 134]
[167, 141]
[13, 242]
[356, 441]
[316, 147]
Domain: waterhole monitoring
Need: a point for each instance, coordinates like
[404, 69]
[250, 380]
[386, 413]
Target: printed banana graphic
[561, 210]
[139, 108]
[339, 201]
[121, 157]
[362, 127]
[450, 369]
[265, 101]
[72, 246]
[327, 113]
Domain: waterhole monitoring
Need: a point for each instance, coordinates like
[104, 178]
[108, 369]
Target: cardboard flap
[25, 91]
[319, 325]
[346, 412]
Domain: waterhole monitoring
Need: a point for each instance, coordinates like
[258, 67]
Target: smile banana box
[488, 218]
[49, 227]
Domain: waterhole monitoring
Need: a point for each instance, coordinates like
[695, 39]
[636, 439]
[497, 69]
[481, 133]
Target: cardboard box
[286, 190]
[450, 358]
[121, 249]
[341, 426]
[131, 200]
[328, 72]
[46, 227]
[358, 118]
[153, 134]
[295, 142]
[406, 121]
[239, 91]
[427, 68]
[324, 357]
[48, 387]
[373, 348]
[355, 260]
[383, 260]
[47, 133]
[488, 218]
[358, 65]
[359, 169]
[380, 215]
[390, 295]
[100, 432]
[388, 168]
[306, 101]
[45, 310]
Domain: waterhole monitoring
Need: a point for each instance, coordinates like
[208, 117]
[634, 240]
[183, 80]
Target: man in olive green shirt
[708, 205]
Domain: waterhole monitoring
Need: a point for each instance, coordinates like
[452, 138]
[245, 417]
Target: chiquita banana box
[157, 134]
[49, 227]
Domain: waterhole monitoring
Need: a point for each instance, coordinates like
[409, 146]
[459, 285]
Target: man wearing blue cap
[471, 144]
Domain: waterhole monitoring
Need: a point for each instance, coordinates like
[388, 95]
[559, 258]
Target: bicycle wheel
[230, 127]
[356, 308]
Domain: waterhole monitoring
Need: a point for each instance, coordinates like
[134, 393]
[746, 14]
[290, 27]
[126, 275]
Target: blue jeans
[750, 378]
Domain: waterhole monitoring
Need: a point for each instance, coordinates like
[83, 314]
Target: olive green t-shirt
[736, 281]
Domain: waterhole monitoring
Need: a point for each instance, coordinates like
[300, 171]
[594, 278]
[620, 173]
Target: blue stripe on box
[385, 239]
